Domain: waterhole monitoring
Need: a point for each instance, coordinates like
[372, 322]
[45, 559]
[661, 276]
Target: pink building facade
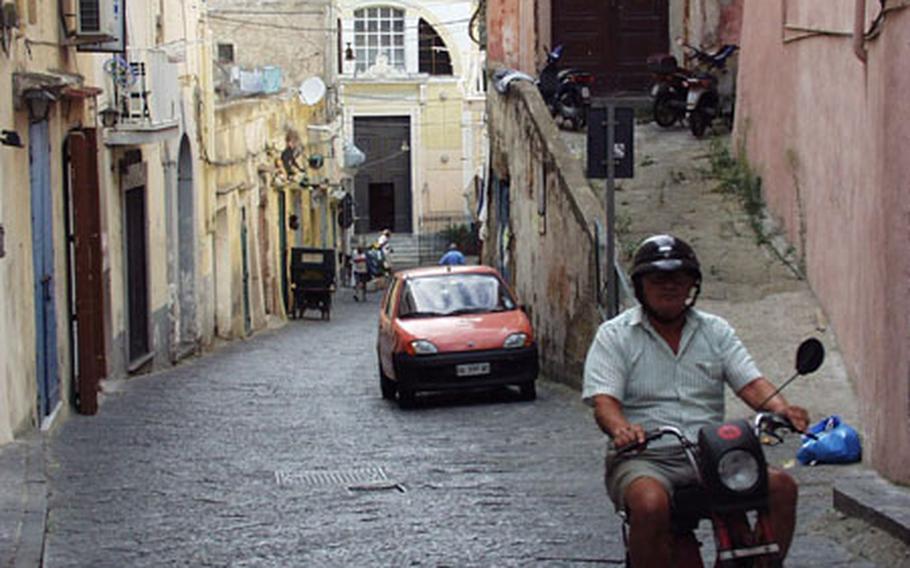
[825, 121]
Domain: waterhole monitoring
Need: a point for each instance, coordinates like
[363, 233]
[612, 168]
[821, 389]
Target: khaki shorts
[669, 466]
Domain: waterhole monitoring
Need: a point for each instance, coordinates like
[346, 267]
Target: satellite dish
[311, 91]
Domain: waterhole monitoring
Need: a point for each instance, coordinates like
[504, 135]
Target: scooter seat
[563, 73]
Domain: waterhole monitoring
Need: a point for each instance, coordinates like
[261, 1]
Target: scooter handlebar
[652, 435]
[764, 422]
[771, 422]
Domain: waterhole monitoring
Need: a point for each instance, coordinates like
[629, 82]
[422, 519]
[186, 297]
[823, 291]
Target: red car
[457, 327]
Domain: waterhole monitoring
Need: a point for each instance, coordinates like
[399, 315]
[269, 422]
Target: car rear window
[454, 294]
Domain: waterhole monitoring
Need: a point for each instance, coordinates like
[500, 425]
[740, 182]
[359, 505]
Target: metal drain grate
[357, 477]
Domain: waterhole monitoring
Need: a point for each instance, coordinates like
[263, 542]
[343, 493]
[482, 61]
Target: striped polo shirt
[631, 362]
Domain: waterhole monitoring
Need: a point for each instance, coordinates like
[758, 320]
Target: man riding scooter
[665, 363]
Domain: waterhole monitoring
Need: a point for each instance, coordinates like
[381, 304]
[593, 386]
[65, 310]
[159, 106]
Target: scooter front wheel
[698, 122]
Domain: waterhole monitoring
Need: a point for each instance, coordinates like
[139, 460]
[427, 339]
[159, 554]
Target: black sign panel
[623, 142]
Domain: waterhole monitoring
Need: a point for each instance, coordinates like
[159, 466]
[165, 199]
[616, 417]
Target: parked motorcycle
[711, 92]
[567, 92]
[670, 89]
[732, 482]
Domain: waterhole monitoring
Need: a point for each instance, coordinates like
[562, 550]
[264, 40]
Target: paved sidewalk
[23, 502]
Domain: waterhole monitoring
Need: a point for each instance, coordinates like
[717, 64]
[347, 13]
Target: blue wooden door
[43, 265]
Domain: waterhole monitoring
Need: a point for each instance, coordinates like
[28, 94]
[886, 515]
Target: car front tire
[406, 399]
[387, 386]
[528, 391]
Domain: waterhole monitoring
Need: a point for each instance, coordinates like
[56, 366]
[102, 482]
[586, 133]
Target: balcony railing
[145, 99]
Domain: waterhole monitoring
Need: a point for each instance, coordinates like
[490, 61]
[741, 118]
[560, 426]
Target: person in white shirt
[383, 243]
[664, 363]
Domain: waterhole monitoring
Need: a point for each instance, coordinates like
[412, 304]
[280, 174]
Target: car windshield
[454, 294]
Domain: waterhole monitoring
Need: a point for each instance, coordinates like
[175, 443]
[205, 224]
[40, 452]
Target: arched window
[434, 55]
[378, 30]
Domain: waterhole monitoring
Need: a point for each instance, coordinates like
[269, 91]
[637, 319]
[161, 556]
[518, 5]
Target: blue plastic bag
[837, 442]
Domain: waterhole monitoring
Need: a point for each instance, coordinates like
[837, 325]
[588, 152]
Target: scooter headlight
[738, 470]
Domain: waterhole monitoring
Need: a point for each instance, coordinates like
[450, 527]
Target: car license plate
[585, 92]
[472, 369]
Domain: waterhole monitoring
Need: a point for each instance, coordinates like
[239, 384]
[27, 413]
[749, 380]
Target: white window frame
[380, 29]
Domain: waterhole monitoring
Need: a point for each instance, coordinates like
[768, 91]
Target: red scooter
[732, 482]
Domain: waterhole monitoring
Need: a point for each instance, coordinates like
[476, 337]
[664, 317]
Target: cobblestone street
[279, 451]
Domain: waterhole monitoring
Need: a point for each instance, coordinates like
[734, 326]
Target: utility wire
[460, 21]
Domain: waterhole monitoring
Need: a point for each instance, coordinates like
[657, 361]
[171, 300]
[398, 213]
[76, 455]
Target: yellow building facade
[103, 206]
[261, 211]
[412, 96]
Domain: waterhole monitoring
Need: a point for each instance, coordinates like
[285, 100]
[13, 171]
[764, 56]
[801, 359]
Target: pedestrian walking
[361, 273]
[452, 257]
[384, 246]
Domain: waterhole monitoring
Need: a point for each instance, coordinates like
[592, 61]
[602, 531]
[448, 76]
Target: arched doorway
[186, 245]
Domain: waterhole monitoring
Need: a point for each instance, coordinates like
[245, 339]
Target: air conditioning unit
[99, 19]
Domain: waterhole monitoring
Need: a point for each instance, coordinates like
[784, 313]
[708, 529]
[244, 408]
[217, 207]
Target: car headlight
[738, 470]
[515, 340]
[423, 347]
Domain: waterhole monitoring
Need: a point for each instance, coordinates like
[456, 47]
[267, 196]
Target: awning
[53, 84]
[81, 92]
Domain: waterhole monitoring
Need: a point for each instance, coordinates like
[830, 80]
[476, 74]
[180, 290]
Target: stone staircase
[409, 250]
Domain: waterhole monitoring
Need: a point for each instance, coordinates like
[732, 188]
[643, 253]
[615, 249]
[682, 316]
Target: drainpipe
[859, 30]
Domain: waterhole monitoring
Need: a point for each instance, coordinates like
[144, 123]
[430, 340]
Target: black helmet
[664, 253]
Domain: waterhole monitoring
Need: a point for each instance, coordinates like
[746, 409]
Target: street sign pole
[612, 303]
[611, 155]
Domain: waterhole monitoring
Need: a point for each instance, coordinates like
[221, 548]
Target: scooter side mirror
[809, 356]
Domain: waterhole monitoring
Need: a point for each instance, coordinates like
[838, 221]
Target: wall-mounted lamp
[10, 138]
[348, 53]
[39, 104]
[109, 117]
[316, 161]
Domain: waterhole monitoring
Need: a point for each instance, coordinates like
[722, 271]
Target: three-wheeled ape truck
[312, 281]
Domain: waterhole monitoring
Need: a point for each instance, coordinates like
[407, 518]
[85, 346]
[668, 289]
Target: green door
[247, 318]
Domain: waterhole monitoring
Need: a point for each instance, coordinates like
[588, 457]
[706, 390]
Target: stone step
[408, 249]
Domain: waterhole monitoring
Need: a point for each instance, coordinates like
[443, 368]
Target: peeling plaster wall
[18, 383]
[829, 141]
[249, 136]
[512, 30]
[296, 35]
[551, 256]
